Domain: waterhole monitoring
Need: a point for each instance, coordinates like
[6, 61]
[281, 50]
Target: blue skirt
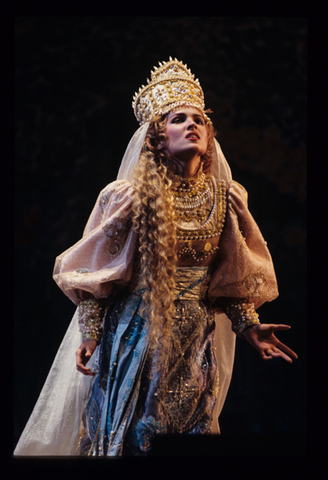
[130, 403]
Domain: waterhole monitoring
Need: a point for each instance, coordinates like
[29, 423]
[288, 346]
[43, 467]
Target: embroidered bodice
[200, 206]
[220, 231]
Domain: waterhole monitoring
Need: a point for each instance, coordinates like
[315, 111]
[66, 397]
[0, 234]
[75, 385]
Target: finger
[287, 350]
[82, 369]
[280, 326]
[265, 354]
[275, 352]
[86, 372]
[78, 356]
[266, 357]
[81, 354]
[279, 354]
[81, 360]
[88, 353]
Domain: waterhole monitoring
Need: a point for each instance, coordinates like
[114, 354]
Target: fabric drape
[102, 262]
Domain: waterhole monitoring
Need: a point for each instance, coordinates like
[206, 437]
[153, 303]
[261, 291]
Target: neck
[187, 169]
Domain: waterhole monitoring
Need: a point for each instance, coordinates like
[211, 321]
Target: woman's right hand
[83, 355]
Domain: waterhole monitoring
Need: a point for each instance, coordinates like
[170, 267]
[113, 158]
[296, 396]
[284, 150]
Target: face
[186, 134]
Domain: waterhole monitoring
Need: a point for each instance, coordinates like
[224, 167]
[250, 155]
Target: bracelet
[242, 315]
[90, 319]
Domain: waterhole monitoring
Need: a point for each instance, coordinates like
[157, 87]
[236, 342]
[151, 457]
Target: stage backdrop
[75, 78]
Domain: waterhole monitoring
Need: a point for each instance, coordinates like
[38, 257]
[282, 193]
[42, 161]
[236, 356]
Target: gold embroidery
[192, 198]
[242, 315]
[180, 395]
[197, 251]
[201, 232]
[116, 231]
[191, 283]
[201, 215]
[180, 391]
[190, 253]
[216, 384]
[254, 283]
[90, 319]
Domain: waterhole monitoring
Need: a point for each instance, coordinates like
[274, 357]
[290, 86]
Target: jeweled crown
[172, 84]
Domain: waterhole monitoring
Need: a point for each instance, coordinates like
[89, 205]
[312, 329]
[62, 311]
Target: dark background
[75, 79]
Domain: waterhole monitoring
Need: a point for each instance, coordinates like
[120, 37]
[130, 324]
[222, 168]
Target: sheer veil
[220, 168]
[53, 427]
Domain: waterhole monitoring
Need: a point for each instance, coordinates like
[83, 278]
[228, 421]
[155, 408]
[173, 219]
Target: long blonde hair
[153, 219]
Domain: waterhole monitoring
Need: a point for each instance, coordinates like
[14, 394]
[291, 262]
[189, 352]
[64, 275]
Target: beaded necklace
[191, 197]
[193, 203]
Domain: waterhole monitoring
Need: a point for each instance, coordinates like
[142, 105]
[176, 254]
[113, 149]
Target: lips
[193, 135]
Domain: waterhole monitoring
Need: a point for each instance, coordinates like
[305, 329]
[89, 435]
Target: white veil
[54, 424]
[53, 427]
[220, 168]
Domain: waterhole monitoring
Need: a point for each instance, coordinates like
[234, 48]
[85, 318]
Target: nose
[191, 124]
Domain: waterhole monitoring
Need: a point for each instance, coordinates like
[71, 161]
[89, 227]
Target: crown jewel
[172, 84]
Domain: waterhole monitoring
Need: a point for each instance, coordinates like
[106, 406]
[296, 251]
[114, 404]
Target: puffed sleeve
[104, 255]
[244, 270]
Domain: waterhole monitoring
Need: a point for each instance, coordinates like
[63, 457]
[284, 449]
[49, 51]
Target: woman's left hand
[262, 338]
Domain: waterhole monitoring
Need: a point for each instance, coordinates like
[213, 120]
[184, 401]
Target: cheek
[205, 141]
[172, 135]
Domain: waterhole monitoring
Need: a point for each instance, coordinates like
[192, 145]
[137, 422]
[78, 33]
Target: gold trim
[201, 233]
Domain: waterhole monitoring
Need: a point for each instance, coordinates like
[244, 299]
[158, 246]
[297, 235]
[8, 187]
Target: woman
[169, 258]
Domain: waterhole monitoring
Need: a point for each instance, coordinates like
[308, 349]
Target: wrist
[249, 330]
[90, 319]
[242, 315]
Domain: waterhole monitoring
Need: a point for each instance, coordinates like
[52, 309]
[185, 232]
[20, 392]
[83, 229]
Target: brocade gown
[223, 260]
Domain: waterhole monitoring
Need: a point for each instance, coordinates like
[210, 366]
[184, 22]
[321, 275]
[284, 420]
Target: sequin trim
[242, 315]
[197, 244]
[90, 319]
[254, 283]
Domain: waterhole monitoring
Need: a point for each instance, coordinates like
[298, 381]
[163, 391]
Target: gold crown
[171, 85]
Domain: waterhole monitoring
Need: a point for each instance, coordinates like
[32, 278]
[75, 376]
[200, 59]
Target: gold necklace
[204, 233]
[193, 197]
[187, 183]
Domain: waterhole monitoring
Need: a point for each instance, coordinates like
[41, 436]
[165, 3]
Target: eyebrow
[183, 113]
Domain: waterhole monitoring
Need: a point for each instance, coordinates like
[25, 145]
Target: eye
[199, 120]
[176, 120]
